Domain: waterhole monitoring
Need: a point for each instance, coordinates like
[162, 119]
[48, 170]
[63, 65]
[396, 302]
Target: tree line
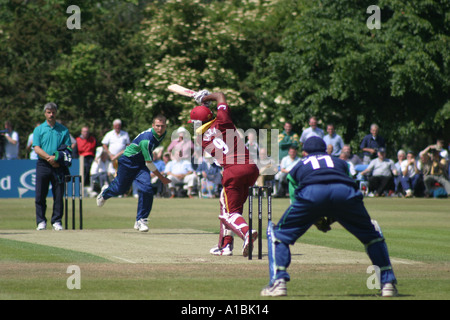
[275, 60]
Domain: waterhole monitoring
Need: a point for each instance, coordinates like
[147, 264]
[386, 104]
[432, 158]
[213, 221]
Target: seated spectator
[401, 156]
[442, 151]
[160, 163]
[197, 156]
[267, 169]
[211, 177]
[434, 169]
[422, 162]
[330, 149]
[101, 173]
[346, 157]
[181, 173]
[286, 164]
[181, 144]
[411, 175]
[382, 170]
[354, 158]
[252, 146]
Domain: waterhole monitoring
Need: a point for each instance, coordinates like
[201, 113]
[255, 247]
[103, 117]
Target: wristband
[151, 166]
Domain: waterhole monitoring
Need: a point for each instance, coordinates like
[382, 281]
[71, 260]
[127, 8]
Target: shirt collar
[157, 136]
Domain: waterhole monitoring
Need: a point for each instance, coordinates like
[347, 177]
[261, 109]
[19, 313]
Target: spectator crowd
[421, 174]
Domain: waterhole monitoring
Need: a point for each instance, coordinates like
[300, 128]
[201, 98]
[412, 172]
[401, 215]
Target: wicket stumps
[72, 179]
[260, 193]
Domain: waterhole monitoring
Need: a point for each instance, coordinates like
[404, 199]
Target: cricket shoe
[245, 247]
[225, 251]
[389, 290]
[277, 289]
[141, 225]
[57, 226]
[100, 200]
[42, 226]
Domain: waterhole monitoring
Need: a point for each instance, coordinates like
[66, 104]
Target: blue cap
[314, 144]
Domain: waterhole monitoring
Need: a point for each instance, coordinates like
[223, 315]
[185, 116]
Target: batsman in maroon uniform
[220, 139]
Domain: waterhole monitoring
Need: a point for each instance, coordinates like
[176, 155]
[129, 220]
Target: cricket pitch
[175, 246]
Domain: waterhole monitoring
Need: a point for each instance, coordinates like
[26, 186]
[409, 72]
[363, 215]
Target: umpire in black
[50, 141]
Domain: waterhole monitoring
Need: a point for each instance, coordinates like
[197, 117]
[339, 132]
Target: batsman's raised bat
[181, 90]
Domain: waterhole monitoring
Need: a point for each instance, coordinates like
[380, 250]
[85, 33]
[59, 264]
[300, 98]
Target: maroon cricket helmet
[201, 113]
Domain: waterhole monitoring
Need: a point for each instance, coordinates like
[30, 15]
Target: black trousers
[380, 184]
[87, 170]
[46, 174]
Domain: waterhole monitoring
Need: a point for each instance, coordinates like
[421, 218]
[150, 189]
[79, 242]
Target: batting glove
[200, 95]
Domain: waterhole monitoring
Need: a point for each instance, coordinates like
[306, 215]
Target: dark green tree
[31, 40]
[212, 45]
[84, 70]
[332, 66]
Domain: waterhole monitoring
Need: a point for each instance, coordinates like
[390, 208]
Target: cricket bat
[176, 88]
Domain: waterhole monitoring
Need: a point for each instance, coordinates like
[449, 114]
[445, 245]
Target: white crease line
[123, 259]
[398, 261]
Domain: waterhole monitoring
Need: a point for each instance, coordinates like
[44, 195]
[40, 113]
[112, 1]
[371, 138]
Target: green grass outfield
[172, 261]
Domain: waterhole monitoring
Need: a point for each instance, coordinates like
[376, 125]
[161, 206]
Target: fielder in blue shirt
[324, 191]
[135, 165]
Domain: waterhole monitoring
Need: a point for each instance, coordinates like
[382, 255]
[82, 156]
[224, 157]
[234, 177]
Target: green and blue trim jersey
[141, 148]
